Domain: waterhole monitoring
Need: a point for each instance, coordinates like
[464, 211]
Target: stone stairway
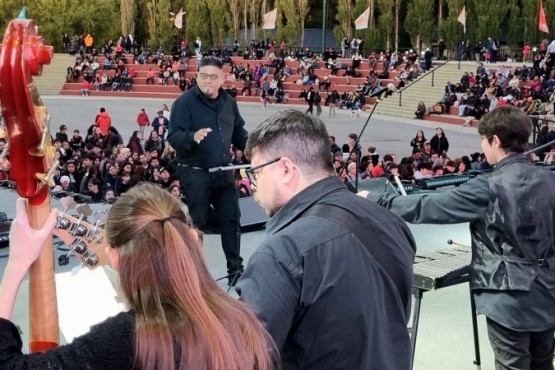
[53, 75]
[422, 89]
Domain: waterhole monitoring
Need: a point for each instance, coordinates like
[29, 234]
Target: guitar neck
[43, 310]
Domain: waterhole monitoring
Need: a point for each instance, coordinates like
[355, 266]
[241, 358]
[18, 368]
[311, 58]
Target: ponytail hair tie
[164, 220]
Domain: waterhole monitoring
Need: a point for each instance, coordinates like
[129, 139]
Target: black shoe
[233, 278]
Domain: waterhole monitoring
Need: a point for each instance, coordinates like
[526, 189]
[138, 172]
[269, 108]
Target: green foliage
[487, 17]
[288, 22]
[386, 19]
[530, 11]
[418, 22]
[198, 21]
[515, 29]
[344, 19]
[9, 9]
[218, 28]
[55, 17]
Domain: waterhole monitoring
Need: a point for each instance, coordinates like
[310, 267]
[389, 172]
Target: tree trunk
[440, 17]
[397, 8]
[245, 24]
[371, 4]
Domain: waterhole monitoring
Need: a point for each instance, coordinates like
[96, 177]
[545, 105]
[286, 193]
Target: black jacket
[193, 111]
[512, 224]
[319, 292]
[439, 144]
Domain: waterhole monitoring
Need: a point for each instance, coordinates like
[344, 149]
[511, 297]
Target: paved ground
[445, 333]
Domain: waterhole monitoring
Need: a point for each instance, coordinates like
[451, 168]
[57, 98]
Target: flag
[362, 21]
[179, 19]
[542, 20]
[270, 20]
[22, 13]
[462, 18]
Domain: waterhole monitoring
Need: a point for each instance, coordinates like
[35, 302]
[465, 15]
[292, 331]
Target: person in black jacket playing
[205, 121]
[326, 297]
[511, 212]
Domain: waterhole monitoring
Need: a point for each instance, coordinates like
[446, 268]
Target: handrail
[432, 72]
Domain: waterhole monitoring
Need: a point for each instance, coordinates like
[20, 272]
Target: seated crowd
[531, 88]
[265, 79]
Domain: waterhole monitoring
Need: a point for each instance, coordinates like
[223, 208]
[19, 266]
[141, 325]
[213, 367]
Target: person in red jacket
[143, 121]
[103, 121]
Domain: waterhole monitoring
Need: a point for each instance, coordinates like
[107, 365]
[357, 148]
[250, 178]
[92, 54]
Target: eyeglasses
[206, 76]
[254, 172]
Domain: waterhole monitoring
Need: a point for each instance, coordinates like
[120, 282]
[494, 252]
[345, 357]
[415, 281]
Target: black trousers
[515, 350]
[202, 189]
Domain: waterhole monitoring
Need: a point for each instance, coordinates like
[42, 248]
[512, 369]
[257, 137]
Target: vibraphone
[439, 269]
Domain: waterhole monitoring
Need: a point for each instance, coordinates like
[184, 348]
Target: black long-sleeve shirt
[109, 345]
[193, 111]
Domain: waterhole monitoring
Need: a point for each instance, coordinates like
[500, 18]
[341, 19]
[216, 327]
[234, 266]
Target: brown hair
[512, 126]
[181, 315]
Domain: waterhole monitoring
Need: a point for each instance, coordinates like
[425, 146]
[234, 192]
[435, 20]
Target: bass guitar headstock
[86, 241]
[22, 55]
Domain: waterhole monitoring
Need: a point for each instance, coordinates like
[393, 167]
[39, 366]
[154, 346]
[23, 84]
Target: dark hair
[388, 157]
[353, 136]
[103, 109]
[300, 137]
[510, 125]
[211, 61]
[423, 165]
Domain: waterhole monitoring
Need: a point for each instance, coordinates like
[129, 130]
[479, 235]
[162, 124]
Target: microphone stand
[357, 147]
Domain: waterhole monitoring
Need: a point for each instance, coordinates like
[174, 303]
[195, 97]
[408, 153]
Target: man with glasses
[332, 281]
[205, 121]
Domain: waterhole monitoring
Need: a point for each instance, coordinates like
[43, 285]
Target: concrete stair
[53, 75]
[422, 89]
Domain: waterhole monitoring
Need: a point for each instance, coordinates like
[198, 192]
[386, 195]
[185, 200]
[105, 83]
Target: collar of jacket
[512, 158]
[302, 201]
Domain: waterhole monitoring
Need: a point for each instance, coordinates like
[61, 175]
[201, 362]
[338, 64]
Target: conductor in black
[204, 122]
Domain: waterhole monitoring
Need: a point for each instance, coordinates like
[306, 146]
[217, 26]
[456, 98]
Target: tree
[386, 19]
[487, 17]
[418, 22]
[514, 19]
[451, 29]
[254, 13]
[234, 17]
[303, 9]
[217, 8]
[288, 26]
[345, 20]
[9, 9]
[530, 12]
[127, 9]
[198, 21]
[55, 17]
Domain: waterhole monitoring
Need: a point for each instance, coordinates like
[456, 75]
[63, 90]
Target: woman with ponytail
[178, 317]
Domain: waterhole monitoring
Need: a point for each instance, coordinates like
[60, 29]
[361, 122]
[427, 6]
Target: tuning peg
[63, 260]
[93, 235]
[68, 203]
[38, 151]
[46, 179]
[84, 210]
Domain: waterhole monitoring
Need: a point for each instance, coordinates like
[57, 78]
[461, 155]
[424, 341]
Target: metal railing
[431, 72]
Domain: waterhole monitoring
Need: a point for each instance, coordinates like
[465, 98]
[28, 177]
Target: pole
[324, 24]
